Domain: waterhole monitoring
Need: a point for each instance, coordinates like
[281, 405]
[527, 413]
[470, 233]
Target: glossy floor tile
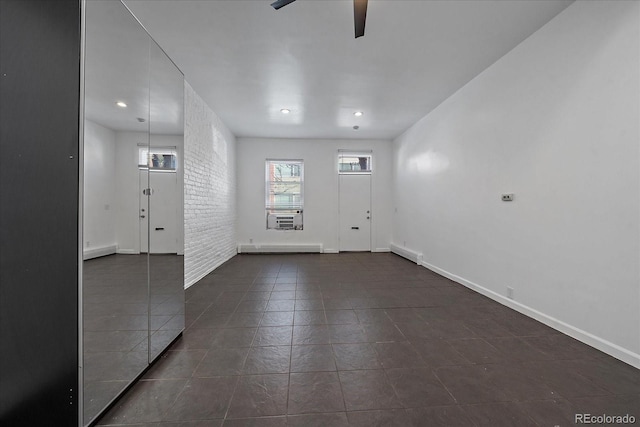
[365, 340]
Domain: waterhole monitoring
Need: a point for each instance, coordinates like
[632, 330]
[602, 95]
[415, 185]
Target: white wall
[210, 189]
[99, 233]
[320, 190]
[555, 121]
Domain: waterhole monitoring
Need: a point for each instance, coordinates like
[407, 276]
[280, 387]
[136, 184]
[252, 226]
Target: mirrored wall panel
[133, 280]
[165, 221]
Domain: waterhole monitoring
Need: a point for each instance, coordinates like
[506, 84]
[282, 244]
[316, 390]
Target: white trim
[83, 38]
[128, 251]
[381, 250]
[288, 248]
[98, 252]
[330, 251]
[407, 253]
[601, 344]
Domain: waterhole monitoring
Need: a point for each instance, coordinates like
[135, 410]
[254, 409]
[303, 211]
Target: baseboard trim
[599, 343]
[407, 253]
[377, 250]
[128, 252]
[276, 248]
[98, 252]
[330, 251]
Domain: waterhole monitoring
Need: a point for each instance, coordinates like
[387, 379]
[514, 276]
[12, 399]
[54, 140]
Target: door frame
[368, 152]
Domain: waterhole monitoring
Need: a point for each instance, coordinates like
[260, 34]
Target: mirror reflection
[165, 220]
[133, 286]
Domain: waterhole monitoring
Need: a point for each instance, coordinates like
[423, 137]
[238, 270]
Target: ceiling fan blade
[359, 16]
[281, 3]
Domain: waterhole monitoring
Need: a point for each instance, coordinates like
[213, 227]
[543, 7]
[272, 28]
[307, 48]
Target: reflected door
[163, 206]
[143, 202]
[355, 212]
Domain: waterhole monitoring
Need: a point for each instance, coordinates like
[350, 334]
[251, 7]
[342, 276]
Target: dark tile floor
[126, 322]
[366, 340]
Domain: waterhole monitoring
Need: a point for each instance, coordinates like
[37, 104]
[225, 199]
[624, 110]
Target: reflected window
[165, 158]
[354, 163]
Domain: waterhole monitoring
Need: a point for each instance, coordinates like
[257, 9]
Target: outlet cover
[509, 292]
[507, 197]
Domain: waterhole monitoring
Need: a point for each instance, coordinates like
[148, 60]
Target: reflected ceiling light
[358, 113]
[285, 111]
[121, 104]
[356, 127]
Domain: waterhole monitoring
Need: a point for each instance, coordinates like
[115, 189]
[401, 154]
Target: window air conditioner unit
[284, 221]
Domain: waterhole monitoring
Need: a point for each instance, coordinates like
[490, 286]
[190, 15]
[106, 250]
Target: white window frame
[355, 154]
[283, 217]
[145, 153]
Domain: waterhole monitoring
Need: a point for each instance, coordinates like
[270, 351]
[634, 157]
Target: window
[354, 163]
[284, 194]
[163, 159]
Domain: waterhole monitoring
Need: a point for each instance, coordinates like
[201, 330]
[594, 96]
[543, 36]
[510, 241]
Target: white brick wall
[209, 189]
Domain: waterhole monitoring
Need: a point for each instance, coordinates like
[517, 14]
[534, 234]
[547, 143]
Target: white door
[159, 220]
[144, 210]
[355, 212]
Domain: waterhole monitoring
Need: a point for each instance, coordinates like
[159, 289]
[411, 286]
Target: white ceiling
[248, 61]
[123, 64]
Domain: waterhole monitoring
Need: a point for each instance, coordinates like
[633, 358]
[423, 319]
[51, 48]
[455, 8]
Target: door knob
[141, 216]
[367, 217]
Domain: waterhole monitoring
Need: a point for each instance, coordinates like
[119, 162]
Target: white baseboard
[98, 252]
[407, 253]
[279, 248]
[601, 344]
[128, 252]
[376, 250]
[330, 251]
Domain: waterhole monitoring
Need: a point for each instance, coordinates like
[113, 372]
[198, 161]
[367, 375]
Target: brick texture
[209, 189]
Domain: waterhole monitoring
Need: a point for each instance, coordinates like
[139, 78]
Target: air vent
[284, 221]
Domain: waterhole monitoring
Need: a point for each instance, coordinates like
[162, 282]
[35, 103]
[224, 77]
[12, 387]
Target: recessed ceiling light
[121, 104]
[358, 113]
[285, 111]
